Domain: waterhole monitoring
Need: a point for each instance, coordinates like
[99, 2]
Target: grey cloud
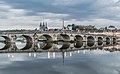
[80, 10]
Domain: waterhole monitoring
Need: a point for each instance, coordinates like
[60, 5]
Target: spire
[46, 24]
[40, 24]
[63, 24]
[43, 24]
[46, 27]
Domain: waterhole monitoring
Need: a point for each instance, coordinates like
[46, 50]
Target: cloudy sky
[26, 14]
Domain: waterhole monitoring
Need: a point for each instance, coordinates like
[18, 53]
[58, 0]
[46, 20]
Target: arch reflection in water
[107, 40]
[5, 42]
[100, 41]
[112, 48]
[90, 41]
[23, 42]
[114, 40]
[78, 44]
[63, 45]
[44, 45]
[44, 42]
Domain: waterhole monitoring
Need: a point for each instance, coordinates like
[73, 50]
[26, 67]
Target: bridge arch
[28, 42]
[90, 41]
[63, 37]
[46, 37]
[7, 42]
[7, 39]
[78, 38]
[28, 38]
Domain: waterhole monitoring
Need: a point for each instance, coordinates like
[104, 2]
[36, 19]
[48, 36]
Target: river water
[85, 61]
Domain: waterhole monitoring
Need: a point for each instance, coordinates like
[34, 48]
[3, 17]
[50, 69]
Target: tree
[73, 27]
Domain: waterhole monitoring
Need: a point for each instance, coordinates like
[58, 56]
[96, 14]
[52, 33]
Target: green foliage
[73, 27]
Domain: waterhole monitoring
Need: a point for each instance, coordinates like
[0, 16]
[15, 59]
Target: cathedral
[43, 26]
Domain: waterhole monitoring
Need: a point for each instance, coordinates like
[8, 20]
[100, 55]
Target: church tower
[46, 27]
[43, 26]
[40, 27]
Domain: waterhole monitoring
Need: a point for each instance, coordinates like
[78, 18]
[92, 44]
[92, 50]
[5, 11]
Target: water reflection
[107, 41]
[100, 41]
[20, 45]
[90, 41]
[60, 57]
[44, 45]
[75, 62]
[65, 45]
[78, 44]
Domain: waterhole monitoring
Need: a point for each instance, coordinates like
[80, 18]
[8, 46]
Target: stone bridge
[78, 40]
